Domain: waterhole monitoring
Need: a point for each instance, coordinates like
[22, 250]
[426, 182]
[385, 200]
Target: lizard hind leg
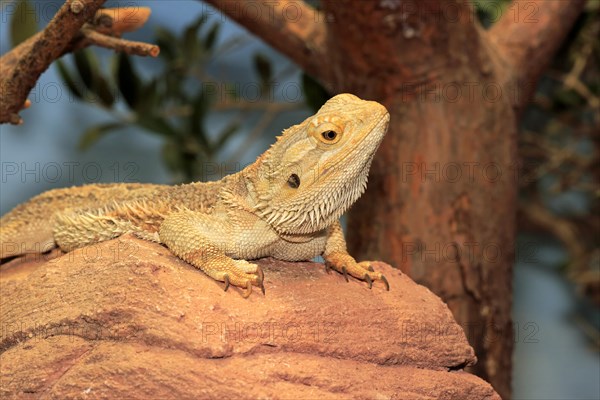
[81, 228]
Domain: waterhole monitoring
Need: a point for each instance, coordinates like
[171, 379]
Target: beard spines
[314, 211]
[328, 209]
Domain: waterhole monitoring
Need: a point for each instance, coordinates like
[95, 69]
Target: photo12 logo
[67, 172]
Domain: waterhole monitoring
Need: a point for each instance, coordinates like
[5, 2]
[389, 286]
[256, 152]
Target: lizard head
[316, 170]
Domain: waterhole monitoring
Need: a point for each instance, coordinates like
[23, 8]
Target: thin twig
[70, 29]
[118, 44]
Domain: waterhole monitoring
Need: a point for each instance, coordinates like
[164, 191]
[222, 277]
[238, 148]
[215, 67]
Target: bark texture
[442, 192]
[127, 319]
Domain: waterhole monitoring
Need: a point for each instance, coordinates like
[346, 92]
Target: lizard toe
[345, 273]
[385, 281]
[226, 279]
[248, 290]
[368, 279]
[346, 265]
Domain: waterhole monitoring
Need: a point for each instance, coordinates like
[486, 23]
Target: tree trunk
[441, 201]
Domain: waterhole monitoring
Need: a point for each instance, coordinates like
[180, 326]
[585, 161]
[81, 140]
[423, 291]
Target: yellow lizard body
[287, 204]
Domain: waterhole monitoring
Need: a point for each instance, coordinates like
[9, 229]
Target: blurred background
[217, 96]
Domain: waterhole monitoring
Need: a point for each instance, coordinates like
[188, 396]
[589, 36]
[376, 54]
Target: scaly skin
[286, 205]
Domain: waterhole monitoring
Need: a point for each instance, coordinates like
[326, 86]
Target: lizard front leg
[198, 238]
[336, 257]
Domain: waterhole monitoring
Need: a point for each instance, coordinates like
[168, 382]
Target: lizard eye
[294, 181]
[329, 135]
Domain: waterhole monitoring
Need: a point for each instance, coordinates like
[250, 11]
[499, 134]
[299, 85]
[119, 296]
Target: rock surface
[126, 319]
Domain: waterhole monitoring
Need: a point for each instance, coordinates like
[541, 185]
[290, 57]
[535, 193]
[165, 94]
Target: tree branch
[527, 37]
[41, 50]
[290, 26]
[74, 26]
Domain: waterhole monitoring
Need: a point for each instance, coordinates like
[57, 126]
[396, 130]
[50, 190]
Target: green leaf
[104, 91]
[173, 82]
[87, 67]
[315, 95]
[211, 36]
[191, 44]
[73, 86]
[197, 24]
[262, 65]
[128, 81]
[94, 133]
[89, 71]
[149, 98]
[157, 125]
[166, 40]
[23, 23]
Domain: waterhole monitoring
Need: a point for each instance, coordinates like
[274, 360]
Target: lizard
[286, 205]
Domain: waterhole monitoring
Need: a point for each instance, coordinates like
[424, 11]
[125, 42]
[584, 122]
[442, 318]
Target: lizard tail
[17, 237]
[80, 228]
[83, 228]
[75, 217]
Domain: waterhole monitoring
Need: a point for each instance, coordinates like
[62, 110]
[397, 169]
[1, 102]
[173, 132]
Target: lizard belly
[263, 241]
[248, 237]
[293, 251]
[250, 245]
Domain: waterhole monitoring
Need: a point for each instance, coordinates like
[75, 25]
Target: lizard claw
[261, 275]
[345, 272]
[262, 287]
[368, 279]
[244, 275]
[346, 265]
[387, 285]
[260, 278]
[327, 268]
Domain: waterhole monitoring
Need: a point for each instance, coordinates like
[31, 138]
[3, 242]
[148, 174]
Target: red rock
[126, 319]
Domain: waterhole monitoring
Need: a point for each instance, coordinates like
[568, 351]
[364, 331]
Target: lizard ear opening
[294, 181]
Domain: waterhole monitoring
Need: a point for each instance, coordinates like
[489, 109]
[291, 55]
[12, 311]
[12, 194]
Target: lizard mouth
[358, 150]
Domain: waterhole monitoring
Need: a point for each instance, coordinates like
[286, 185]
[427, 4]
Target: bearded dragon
[286, 205]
